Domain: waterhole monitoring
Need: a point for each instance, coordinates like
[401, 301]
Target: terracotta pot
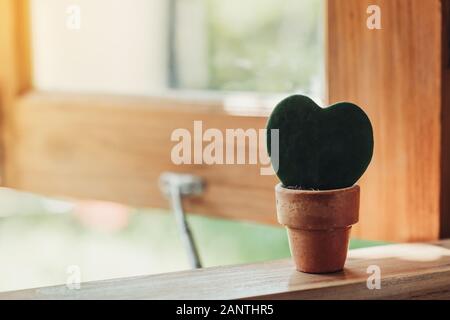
[318, 225]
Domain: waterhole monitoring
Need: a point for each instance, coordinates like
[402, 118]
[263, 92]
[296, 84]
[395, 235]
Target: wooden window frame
[113, 148]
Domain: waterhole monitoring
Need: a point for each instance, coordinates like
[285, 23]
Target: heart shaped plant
[320, 148]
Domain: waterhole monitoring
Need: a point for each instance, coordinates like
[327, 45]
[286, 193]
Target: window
[265, 46]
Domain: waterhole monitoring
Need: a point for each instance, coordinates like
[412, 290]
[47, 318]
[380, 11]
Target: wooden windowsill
[408, 271]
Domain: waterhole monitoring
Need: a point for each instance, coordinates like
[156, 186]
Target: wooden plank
[8, 74]
[114, 148]
[395, 75]
[23, 46]
[16, 68]
[408, 271]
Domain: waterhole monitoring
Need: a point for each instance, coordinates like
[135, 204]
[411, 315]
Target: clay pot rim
[281, 188]
[318, 210]
[306, 229]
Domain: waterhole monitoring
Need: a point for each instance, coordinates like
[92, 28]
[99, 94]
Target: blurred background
[144, 47]
[232, 51]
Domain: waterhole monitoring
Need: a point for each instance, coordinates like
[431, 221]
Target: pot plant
[322, 153]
